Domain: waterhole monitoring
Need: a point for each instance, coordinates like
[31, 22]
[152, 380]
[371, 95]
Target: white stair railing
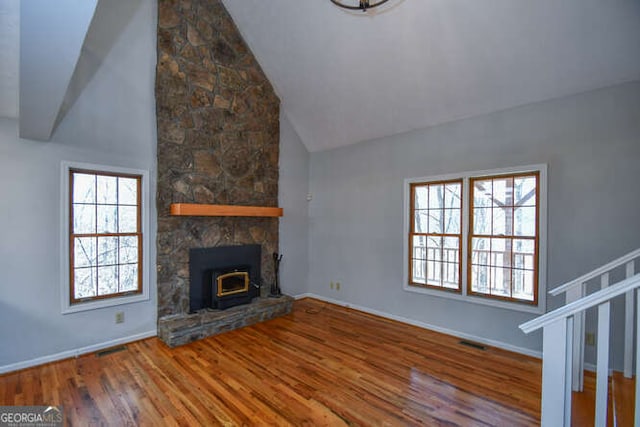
[576, 289]
[557, 346]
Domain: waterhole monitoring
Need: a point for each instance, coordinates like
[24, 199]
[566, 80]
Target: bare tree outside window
[436, 234]
[504, 237]
[105, 235]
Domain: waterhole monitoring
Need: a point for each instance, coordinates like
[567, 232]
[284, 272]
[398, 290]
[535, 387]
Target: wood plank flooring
[320, 365]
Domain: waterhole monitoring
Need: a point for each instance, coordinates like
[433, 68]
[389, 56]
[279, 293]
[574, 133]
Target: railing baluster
[604, 281]
[602, 367]
[602, 355]
[577, 365]
[555, 341]
[628, 326]
[637, 402]
[568, 371]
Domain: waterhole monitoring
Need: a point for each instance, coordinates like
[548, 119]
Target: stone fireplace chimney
[218, 138]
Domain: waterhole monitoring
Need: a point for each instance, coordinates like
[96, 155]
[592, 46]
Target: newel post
[557, 342]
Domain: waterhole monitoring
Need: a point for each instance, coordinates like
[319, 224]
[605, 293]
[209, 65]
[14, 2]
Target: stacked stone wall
[218, 141]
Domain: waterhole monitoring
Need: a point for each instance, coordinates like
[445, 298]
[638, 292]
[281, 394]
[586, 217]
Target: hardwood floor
[624, 394]
[320, 365]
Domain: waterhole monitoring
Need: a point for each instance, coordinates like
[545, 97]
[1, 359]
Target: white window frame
[464, 296]
[65, 299]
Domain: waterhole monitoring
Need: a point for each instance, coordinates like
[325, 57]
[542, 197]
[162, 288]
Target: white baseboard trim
[75, 352]
[591, 367]
[462, 335]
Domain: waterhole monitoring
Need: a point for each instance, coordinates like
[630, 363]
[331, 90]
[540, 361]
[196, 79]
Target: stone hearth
[181, 329]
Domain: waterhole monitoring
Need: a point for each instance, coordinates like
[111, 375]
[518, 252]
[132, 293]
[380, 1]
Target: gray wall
[112, 123]
[591, 143]
[294, 225]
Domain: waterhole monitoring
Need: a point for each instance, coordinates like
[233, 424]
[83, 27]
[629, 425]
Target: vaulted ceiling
[9, 57]
[345, 77]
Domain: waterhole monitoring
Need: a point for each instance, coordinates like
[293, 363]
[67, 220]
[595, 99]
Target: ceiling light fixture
[362, 5]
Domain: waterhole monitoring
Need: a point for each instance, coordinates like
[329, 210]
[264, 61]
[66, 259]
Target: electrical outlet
[331, 285]
[120, 317]
[337, 286]
[590, 338]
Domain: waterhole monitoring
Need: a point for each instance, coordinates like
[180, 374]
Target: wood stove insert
[224, 276]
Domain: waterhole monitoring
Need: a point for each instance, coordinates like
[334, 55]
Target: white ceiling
[49, 51]
[9, 57]
[347, 77]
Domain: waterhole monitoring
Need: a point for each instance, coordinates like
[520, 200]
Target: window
[104, 245]
[489, 225]
[504, 237]
[105, 241]
[436, 235]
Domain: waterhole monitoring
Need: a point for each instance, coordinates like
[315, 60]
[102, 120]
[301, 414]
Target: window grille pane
[434, 248]
[127, 219]
[501, 252]
[128, 277]
[436, 219]
[499, 245]
[107, 250]
[128, 250]
[525, 221]
[421, 194]
[480, 279]
[526, 246]
[107, 280]
[107, 219]
[436, 196]
[453, 197]
[452, 221]
[85, 282]
[482, 194]
[523, 254]
[482, 221]
[107, 190]
[502, 193]
[451, 276]
[451, 266]
[84, 219]
[525, 191]
[523, 284]
[502, 222]
[421, 221]
[434, 259]
[127, 191]
[85, 252]
[501, 281]
[419, 271]
[84, 188]
[420, 244]
[453, 244]
[480, 248]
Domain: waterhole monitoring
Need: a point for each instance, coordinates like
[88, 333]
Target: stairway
[568, 395]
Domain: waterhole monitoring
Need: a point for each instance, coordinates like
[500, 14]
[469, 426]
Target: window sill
[514, 306]
[104, 303]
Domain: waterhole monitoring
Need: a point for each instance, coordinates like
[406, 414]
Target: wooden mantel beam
[194, 209]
